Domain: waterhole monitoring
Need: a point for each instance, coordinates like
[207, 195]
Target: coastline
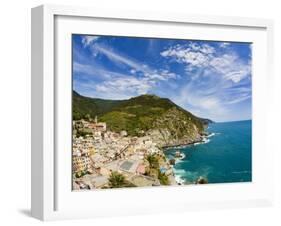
[226, 159]
[101, 153]
[203, 140]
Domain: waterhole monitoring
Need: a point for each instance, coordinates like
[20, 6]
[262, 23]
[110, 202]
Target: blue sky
[210, 79]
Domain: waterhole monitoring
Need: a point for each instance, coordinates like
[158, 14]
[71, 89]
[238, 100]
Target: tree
[163, 178]
[153, 161]
[116, 180]
[88, 117]
[76, 115]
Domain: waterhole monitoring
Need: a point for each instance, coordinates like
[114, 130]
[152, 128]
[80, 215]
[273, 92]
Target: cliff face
[175, 128]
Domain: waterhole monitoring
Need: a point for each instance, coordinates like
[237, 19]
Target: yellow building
[81, 163]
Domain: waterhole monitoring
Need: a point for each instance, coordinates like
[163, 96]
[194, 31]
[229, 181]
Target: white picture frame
[52, 197]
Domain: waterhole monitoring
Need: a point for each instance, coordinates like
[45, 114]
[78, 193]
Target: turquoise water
[226, 156]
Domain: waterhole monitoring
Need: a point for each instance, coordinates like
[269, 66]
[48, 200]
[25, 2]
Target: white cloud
[88, 40]
[93, 70]
[117, 57]
[82, 68]
[231, 67]
[111, 85]
[126, 86]
[224, 44]
[207, 49]
[196, 101]
[114, 85]
[204, 56]
[192, 54]
[209, 103]
[239, 99]
[215, 78]
[135, 66]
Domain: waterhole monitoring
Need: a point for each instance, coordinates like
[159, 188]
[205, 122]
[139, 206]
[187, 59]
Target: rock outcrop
[175, 128]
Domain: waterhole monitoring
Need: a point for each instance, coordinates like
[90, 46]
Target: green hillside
[137, 115]
[83, 106]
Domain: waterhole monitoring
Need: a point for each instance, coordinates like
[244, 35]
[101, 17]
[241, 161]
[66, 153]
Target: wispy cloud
[196, 56]
[201, 100]
[224, 44]
[134, 65]
[119, 84]
[210, 79]
[95, 71]
[125, 86]
[88, 40]
[213, 76]
[138, 79]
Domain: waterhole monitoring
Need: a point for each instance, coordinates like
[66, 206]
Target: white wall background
[15, 112]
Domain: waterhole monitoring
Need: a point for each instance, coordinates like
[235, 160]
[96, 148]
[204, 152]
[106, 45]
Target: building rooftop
[129, 166]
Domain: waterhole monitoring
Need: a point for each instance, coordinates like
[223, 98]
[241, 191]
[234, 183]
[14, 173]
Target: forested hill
[138, 114]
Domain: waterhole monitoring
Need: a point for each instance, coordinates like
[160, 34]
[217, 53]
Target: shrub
[116, 180]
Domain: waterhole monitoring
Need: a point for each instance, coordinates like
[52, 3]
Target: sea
[225, 155]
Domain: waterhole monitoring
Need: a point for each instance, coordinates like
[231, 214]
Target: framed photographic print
[136, 112]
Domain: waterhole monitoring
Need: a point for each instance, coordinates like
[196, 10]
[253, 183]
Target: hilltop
[158, 117]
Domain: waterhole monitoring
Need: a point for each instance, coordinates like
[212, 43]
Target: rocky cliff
[175, 128]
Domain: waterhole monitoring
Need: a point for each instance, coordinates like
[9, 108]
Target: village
[106, 159]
